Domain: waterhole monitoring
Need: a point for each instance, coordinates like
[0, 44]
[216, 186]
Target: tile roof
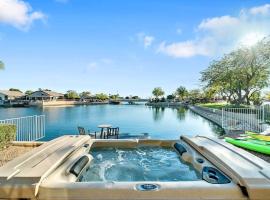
[11, 93]
[52, 93]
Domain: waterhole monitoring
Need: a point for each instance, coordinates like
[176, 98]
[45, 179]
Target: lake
[160, 123]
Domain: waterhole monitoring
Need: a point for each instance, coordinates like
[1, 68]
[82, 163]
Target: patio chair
[83, 132]
[113, 132]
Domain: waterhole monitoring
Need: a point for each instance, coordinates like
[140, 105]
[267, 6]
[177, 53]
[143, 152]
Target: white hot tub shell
[52, 171]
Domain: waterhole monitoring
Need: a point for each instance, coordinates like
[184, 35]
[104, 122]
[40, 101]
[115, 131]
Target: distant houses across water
[44, 97]
[6, 95]
[16, 98]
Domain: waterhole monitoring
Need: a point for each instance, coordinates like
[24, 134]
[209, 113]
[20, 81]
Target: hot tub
[143, 163]
[139, 169]
[188, 168]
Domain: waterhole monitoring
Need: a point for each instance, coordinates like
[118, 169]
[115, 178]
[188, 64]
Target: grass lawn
[220, 105]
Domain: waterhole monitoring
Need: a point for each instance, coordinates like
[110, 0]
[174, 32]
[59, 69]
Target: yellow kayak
[258, 136]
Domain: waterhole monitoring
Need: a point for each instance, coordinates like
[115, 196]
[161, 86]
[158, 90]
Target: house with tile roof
[10, 95]
[45, 95]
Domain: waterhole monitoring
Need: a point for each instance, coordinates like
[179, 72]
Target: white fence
[28, 128]
[244, 119]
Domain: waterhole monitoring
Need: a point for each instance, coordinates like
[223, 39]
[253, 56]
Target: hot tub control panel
[147, 187]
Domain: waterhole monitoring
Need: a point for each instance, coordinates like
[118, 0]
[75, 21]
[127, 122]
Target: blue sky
[126, 47]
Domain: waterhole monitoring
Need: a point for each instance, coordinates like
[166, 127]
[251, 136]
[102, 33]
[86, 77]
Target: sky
[119, 46]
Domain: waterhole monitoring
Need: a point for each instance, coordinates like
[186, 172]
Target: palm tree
[157, 92]
[2, 65]
[181, 92]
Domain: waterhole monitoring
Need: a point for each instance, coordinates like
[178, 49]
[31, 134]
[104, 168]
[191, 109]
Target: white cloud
[147, 40]
[183, 49]
[223, 33]
[263, 10]
[18, 13]
[219, 25]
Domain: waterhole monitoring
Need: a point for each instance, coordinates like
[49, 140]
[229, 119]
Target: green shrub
[7, 134]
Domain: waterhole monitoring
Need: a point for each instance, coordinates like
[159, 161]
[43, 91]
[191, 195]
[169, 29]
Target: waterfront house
[45, 95]
[6, 95]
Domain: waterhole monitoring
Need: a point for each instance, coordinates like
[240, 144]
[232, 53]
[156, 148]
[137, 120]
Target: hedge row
[7, 134]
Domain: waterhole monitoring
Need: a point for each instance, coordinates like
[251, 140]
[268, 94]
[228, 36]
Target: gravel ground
[12, 152]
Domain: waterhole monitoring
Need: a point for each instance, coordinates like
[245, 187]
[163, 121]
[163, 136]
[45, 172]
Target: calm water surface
[163, 123]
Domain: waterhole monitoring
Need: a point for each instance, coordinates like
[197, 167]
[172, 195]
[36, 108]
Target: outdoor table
[102, 127]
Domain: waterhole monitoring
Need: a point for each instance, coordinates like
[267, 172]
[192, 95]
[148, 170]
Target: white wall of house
[38, 94]
[2, 96]
[41, 95]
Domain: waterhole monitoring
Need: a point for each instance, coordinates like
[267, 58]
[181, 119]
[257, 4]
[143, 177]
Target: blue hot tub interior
[138, 164]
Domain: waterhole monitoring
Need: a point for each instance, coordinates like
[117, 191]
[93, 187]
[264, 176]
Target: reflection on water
[158, 113]
[194, 115]
[166, 123]
[181, 113]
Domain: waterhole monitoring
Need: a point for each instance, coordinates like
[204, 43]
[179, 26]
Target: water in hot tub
[138, 164]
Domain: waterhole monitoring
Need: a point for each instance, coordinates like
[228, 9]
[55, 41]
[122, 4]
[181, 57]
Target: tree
[256, 98]
[181, 92]
[85, 94]
[28, 92]
[71, 94]
[171, 97]
[209, 93]
[101, 96]
[158, 92]
[2, 65]
[241, 73]
[15, 89]
[114, 96]
[194, 94]
[135, 97]
[267, 96]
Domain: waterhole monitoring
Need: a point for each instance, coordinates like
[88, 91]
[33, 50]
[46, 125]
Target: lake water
[161, 123]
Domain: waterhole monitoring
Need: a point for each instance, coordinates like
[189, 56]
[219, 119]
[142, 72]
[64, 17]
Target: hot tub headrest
[180, 148]
[79, 165]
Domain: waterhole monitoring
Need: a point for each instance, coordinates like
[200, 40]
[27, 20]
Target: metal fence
[29, 128]
[245, 119]
[267, 113]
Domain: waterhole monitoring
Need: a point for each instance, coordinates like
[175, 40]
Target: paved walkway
[213, 115]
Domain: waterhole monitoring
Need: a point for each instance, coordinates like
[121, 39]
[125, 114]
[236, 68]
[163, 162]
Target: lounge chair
[83, 132]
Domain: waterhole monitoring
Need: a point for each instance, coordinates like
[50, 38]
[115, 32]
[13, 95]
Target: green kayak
[251, 144]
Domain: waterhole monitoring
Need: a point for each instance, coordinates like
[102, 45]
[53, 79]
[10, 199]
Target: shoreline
[51, 103]
[164, 104]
